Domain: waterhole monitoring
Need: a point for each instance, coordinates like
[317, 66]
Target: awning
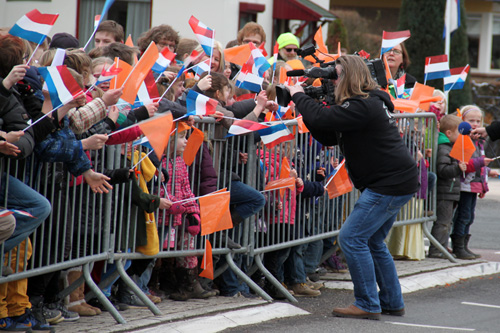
[303, 10]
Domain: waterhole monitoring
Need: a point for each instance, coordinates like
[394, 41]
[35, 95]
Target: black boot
[466, 247]
[458, 248]
[182, 293]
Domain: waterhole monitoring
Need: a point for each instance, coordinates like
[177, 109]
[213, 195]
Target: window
[473, 33]
[248, 12]
[495, 43]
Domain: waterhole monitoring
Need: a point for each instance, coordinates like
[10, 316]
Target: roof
[304, 10]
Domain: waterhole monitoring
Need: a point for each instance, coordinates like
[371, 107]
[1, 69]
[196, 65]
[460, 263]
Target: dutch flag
[34, 26]
[244, 126]
[274, 135]
[457, 78]
[391, 39]
[164, 59]
[204, 34]
[62, 86]
[247, 80]
[199, 105]
[108, 74]
[260, 63]
[201, 68]
[436, 67]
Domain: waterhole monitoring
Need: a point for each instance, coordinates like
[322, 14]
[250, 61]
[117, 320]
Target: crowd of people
[71, 138]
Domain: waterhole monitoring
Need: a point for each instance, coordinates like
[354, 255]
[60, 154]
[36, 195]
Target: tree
[425, 20]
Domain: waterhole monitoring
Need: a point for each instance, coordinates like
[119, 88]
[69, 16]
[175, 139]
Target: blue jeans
[294, 265]
[247, 201]
[22, 197]
[361, 239]
[464, 215]
[312, 256]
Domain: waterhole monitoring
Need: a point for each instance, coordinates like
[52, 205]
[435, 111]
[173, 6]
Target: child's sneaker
[10, 325]
[29, 320]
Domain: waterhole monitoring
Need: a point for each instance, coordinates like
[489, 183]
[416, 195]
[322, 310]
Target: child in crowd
[448, 182]
[475, 183]
[188, 215]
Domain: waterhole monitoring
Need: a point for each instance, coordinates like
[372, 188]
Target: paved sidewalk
[185, 316]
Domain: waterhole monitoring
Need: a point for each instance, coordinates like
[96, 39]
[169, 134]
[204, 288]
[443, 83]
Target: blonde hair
[441, 94]
[354, 80]
[222, 62]
[469, 108]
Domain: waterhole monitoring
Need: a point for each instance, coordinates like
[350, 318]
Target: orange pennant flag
[118, 80]
[339, 183]
[388, 74]
[280, 183]
[284, 172]
[320, 43]
[157, 130]
[139, 73]
[238, 55]
[463, 148]
[193, 145]
[270, 117]
[207, 263]
[283, 75]
[405, 105]
[422, 92]
[129, 41]
[213, 212]
[302, 127]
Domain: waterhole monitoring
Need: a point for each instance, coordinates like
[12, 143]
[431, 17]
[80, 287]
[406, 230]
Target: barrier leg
[103, 299]
[438, 245]
[273, 280]
[246, 279]
[131, 284]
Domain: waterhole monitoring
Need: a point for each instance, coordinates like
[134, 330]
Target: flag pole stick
[142, 159]
[212, 54]
[91, 36]
[32, 54]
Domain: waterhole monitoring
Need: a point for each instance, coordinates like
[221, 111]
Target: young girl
[186, 214]
[474, 183]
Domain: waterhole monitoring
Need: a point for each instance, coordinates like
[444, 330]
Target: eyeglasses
[290, 49]
[396, 52]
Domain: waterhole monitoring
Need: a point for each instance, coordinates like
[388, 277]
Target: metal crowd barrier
[85, 228]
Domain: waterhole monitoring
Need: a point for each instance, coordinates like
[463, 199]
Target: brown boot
[354, 312]
[76, 298]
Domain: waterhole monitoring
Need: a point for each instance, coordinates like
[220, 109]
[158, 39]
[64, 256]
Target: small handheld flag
[391, 39]
[61, 84]
[198, 104]
[34, 26]
[457, 78]
[204, 34]
[436, 67]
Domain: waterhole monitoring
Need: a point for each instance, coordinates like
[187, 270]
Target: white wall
[67, 9]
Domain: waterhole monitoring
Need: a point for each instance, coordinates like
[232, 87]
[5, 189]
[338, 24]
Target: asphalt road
[470, 305]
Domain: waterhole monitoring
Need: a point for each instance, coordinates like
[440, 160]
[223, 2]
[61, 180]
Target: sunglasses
[290, 49]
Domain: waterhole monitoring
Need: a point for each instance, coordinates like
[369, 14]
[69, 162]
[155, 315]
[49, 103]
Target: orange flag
[238, 55]
[284, 172]
[422, 92]
[339, 183]
[463, 148]
[193, 145]
[302, 127]
[322, 51]
[207, 263]
[214, 209]
[157, 130]
[320, 43]
[139, 73]
[388, 74]
[279, 183]
[406, 105]
[118, 80]
[283, 75]
[129, 41]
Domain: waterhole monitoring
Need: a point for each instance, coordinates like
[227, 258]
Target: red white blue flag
[436, 67]
[274, 135]
[200, 105]
[62, 87]
[391, 39]
[164, 59]
[201, 68]
[248, 80]
[193, 57]
[457, 78]
[204, 34]
[244, 126]
[400, 89]
[260, 63]
[34, 26]
[108, 74]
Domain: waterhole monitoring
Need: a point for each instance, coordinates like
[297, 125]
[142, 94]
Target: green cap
[287, 39]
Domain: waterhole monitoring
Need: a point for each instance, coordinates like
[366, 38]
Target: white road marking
[483, 305]
[431, 326]
[497, 252]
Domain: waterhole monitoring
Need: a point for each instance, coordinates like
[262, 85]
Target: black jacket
[494, 130]
[448, 174]
[376, 157]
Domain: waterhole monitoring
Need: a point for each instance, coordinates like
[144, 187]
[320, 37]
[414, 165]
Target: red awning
[252, 8]
[303, 10]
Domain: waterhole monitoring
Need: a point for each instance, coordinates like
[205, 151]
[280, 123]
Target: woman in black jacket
[380, 166]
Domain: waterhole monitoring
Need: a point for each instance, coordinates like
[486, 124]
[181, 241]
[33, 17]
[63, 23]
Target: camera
[377, 71]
